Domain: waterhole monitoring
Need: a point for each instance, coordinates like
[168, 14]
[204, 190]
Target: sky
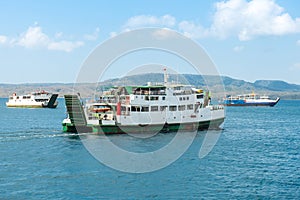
[48, 41]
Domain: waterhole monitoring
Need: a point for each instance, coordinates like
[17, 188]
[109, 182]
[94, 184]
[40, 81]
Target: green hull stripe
[25, 106]
[113, 129]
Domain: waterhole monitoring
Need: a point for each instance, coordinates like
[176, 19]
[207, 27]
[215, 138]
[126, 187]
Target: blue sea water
[257, 156]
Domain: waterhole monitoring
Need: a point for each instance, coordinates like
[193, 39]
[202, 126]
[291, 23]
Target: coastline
[274, 88]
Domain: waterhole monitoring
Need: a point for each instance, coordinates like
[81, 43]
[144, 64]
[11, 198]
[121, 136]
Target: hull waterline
[115, 129]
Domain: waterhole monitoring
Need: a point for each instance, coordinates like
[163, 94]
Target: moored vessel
[41, 99]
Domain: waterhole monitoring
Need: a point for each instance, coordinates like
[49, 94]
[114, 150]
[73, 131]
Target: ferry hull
[30, 106]
[252, 104]
[119, 129]
[245, 103]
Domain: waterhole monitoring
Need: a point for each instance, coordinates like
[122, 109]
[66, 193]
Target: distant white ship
[250, 100]
[39, 99]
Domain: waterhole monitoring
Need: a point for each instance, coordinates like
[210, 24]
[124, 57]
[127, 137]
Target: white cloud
[93, 36]
[149, 20]
[238, 48]
[192, 30]
[34, 37]
[243, 19]
[3, 39]
[64, 45]
[251, 19]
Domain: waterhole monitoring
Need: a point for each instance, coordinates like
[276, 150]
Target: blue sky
[47, 41]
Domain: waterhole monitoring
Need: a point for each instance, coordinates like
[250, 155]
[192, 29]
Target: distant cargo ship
[39, 99]
[250, 100]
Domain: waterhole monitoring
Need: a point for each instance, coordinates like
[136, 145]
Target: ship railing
[216, 107]
[107, 101]
[149, 93]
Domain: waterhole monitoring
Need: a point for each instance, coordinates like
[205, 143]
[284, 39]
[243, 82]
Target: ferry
[250, 100]
[41, 99]
[138, 109]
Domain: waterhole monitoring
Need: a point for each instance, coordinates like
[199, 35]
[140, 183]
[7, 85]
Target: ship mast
[166, 76]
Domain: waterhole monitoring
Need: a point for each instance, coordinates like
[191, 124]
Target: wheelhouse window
[154, 98]
[151, 98]
[41, 100]
[163, 108]
[172, 108]
[149, 90]
[181, 107]
[26, 97]
[190, 106]
[145, 108]
[199, 96]
[154, 108]
[135, 108]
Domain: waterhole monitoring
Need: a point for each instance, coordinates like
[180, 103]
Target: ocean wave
[29, 135]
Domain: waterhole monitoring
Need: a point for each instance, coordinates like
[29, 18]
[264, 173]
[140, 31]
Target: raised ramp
[52, 102]
[75, 110]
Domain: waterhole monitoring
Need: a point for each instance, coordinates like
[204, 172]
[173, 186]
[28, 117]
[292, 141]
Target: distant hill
[276, 85]
[232, 86]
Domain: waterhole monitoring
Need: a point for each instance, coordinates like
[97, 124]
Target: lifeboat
[100, 108]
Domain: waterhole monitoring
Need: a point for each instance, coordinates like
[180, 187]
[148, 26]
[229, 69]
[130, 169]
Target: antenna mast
[165, 76]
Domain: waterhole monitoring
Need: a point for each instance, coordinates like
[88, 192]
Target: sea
[256, 156]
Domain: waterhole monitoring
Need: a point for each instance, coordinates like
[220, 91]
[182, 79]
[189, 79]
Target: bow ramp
[75, 110]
